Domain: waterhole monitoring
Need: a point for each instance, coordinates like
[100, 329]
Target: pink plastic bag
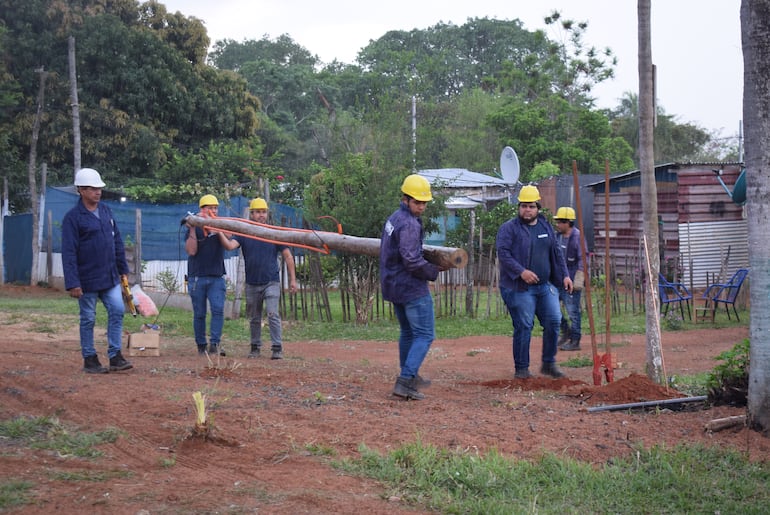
[144, 304]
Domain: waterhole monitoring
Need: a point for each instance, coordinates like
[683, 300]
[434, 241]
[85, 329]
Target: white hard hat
[88, 177]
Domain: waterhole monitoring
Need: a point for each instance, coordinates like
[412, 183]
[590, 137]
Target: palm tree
[755, 34]
[655, 370]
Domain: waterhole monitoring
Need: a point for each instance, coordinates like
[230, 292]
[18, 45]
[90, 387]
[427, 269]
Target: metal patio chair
[725, 293]
[674, 293]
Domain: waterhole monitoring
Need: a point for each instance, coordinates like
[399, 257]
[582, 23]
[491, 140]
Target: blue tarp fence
[162, 231]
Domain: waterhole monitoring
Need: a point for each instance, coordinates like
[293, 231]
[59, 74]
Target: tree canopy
[162, 119]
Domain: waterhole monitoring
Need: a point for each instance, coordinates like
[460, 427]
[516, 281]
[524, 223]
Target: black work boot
[91, 365]
[571, 345]
[202, 350]
[551, 369]
[255, 351]
[407, 388]
[118, 362]
[563, 339]
[215, 349]
[522, 373]
[422, 382]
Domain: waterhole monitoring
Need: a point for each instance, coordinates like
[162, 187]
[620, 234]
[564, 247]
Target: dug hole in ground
[267, 419]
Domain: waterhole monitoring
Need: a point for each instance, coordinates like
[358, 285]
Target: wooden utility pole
[32, 176]
[447, 257]
[73, 75]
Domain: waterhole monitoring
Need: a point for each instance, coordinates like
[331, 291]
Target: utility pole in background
[31, 173]
[74, 102]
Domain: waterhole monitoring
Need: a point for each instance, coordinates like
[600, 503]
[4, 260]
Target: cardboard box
[145, 343]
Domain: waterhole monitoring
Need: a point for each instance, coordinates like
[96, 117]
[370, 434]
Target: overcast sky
[696, 44]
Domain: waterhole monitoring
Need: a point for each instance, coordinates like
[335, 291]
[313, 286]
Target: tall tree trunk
[73, 75]
[755, 35]
[31, 173]
[655, 369]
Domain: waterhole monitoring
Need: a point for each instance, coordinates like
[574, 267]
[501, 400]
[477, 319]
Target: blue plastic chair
[725, 293]
[674, 293]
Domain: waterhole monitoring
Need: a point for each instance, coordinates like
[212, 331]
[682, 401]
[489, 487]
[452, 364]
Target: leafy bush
[728, 383]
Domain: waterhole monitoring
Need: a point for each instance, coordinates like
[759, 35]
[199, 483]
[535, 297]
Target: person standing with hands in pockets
[94, 260]
[404, 276]
[532, 267]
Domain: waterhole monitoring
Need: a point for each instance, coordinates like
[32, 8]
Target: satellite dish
[739, 189]
[509, 165]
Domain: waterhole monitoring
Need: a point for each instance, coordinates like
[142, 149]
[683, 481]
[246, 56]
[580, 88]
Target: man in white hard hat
[94, 259]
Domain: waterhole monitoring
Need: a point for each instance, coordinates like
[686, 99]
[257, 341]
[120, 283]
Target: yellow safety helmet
[565, 213]
[417, 187]
[258, 203]
[208, 200]
[529, 193]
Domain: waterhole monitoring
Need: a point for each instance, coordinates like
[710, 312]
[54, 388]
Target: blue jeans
[269, 294]
[541, 300]
[211, 289]
[417, 333]
[112, 299]
[570, 325]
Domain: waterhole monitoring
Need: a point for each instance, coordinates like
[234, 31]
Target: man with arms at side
[569, 242]
[532, 267]
[94, 259]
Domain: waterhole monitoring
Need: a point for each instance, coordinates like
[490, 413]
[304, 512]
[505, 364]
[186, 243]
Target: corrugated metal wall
[700, 222]
[706, 246]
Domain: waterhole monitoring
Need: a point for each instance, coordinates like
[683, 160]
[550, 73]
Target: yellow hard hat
[208, 200]
[417, 187]
[529, 193]
[258, 203]
[565, 213]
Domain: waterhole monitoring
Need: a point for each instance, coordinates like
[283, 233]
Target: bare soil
[273, 423]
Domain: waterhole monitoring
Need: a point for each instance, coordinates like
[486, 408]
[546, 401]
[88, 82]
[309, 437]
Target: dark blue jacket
[404, 272]
[513, 253]
[92, 252]
[570, 247]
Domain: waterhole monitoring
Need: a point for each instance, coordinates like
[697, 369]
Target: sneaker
[522, 373]
[277, 354]
[551, 369]
[405, 388]
[255, 352]
[421, 382]
[91, 365]
[118, 362]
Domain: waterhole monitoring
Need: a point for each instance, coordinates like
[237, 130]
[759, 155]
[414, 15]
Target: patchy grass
[685, 479]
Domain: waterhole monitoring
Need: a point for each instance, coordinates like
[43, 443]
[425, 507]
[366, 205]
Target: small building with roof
[703, 229]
